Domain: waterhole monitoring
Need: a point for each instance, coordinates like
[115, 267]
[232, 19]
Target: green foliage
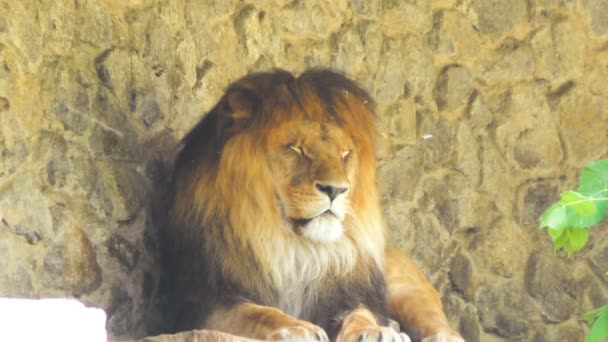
[571, 240]
[598, 320]
[568, 221]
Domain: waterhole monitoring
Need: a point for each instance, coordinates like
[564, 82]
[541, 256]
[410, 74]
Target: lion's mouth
[325, 227]
[303, 222]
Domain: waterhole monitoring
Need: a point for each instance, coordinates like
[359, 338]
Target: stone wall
[488, 109]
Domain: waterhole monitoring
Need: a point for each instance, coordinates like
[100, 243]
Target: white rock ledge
[50, 320]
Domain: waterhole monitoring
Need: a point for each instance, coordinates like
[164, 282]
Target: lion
[275, 225]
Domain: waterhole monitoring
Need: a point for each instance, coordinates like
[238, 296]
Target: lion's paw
[443, 337]
[300, 333]
[381, 334]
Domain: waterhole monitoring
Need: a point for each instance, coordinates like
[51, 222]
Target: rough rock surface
[197, 336]
[511, 98]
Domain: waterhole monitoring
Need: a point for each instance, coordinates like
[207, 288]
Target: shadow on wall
[157, 317]
[137, 288]
[81, 218]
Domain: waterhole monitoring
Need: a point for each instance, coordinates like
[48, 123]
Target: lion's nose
[332, 191]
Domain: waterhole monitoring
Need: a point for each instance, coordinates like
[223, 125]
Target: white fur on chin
[326, 228]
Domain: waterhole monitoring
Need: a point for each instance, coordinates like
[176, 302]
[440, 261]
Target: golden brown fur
[275, 223]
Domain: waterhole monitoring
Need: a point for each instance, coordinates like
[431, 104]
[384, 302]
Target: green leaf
[599, 329]
[576, 211]
[591, 316]
[555, 217]
[569, 239]
[559, 216]
[559, 238]
[581, 204]
[594, 178]
[555, 233]
[572, 210]
[577, 239]
[593, 182]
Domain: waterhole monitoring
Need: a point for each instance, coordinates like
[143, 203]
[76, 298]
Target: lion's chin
[324, 228]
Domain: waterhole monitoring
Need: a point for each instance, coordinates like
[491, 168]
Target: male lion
[275, 223]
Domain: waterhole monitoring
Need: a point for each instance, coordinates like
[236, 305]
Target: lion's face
[314, 167]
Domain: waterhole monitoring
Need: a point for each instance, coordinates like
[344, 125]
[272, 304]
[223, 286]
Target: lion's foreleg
[414, 302]
[262, 322]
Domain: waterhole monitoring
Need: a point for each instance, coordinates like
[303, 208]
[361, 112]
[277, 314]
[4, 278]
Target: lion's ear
[231, 115]
[238, 108]
[241, 100]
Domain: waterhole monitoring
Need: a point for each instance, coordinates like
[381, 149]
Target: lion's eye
[344, 154]
[297, 149]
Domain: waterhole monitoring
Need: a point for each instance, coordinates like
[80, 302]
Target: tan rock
[407, 17]
[322, 19]
[367, 8]
[504, 248]
[358, 49]
[497, 17]
[529, 135]
[25, 210]
[398, 179]
[81, 271]
[452, 88]
[401, 122]
[582, 119]
[596, 11]
[511, 62]
[469, 149]
[456, 36]
[559, 51]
